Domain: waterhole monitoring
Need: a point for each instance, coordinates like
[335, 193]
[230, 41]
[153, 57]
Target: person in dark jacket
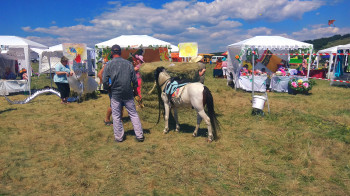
[120, 75]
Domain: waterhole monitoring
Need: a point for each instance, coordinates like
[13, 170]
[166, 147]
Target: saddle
[173, 88]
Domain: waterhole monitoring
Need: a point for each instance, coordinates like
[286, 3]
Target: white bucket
[259, 102]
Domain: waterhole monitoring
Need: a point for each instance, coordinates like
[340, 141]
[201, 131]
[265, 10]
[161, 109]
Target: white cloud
[259, 31]
[318, 31]
[213, 25]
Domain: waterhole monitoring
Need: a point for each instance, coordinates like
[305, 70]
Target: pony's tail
[209, 101]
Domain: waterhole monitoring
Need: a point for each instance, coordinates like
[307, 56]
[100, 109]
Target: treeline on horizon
[327, 42]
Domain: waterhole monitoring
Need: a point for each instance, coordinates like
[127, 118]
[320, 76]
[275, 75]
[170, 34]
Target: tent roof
[56, 48]
[271, 42]
[347, 46]
[174, 48]
[133, 41]
[329, 50]
[59, 47]
[14, 41]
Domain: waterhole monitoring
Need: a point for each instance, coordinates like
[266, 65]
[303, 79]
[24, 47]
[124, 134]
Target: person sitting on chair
[9, 75]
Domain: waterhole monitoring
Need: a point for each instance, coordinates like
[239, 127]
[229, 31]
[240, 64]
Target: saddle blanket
[177, 92]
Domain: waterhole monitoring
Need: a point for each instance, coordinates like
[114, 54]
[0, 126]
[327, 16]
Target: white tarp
[134, 41]
[276, 44]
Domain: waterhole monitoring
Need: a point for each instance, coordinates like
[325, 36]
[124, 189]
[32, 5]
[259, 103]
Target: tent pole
[49, 60]
[253, 74]
[329, 65]
[308, 65]
[29, 67]
[335, 63]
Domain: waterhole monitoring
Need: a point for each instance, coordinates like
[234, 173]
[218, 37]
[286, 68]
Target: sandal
[109, 123]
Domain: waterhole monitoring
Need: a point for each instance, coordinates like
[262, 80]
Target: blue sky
[213, 24]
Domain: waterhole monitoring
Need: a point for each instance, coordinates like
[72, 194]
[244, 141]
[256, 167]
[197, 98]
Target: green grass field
[300, 148]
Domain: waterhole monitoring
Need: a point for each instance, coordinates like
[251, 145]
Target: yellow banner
[188, 49]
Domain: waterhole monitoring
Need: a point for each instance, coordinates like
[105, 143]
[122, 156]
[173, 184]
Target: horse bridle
[164, 82]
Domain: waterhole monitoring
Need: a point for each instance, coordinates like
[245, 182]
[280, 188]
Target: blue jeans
[118, 128]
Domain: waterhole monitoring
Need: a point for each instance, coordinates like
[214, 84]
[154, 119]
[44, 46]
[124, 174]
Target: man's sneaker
[140, 139]
[124, 137]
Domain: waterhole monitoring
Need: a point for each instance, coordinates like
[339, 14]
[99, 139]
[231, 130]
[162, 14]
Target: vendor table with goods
[315, 73]
[280, 83]
[245, 83]
[12, 86]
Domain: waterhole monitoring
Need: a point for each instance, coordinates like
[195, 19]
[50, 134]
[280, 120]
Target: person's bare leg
[108, 114]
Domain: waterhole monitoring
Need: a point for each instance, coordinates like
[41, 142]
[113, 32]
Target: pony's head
[161, 76]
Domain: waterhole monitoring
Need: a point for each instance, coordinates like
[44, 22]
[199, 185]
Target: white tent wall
[6, 61]
[55, 58]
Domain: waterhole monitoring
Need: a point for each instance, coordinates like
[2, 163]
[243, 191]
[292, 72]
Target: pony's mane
[157, 72]
[160, 102]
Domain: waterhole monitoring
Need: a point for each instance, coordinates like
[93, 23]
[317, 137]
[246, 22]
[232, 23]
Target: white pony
[191, 94]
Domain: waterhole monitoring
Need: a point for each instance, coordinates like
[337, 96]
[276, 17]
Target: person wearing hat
[137, 62]
[201, 72]
[60, 78]
[120, 76]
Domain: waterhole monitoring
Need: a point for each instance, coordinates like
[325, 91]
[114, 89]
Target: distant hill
[328, 42]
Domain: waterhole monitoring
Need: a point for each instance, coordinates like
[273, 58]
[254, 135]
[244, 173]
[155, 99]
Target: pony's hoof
[209, 140]
[194, 135]
[165, 132]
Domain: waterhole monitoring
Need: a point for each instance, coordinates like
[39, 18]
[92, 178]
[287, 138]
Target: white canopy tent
[276, 44]
[20, 47]
[49, 58]
[342, 49]
[134, 41]
[55, 53]
[330, 50]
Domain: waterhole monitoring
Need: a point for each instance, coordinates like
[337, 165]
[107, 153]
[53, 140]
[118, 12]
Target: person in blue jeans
[62, 72]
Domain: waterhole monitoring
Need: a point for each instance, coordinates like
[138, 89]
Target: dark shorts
[64, 89]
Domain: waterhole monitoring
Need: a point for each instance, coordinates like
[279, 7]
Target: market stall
[268, 52]
[153, 49]
[327, 52]
[18, 48]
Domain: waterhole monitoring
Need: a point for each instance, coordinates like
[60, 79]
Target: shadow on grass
[7, 110]
[131, 132]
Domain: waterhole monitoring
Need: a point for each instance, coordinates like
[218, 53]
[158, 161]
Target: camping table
[245, 83]
[12, 86]
[280, 83]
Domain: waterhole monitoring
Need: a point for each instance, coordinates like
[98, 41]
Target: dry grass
[301, 148]
[180, 69]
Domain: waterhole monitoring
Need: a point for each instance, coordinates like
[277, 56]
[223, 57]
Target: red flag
[331, 22]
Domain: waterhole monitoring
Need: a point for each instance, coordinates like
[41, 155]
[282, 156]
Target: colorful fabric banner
[76, 52]
[270, 61]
